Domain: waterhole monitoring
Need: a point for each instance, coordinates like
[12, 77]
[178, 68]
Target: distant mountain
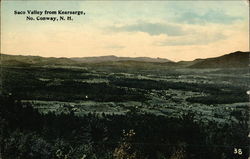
[20, 60]
[232, 60]
[115, 58]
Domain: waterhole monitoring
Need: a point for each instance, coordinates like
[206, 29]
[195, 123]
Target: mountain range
[231, 60]
[113, 58]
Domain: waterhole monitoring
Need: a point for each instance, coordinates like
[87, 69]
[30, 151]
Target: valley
[89, 107]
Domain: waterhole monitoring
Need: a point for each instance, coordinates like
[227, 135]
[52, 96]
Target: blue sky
[178, 30]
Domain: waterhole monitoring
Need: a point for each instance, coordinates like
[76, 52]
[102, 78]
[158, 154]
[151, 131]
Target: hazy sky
[177, 30]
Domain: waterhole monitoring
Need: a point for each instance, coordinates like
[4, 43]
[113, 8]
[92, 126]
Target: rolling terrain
[166, 88]
[233, 60]
[94, 107]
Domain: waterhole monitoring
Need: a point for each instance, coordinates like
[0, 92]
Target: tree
[126, 149]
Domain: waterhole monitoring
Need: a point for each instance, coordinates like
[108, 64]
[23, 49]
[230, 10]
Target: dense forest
[27, 134]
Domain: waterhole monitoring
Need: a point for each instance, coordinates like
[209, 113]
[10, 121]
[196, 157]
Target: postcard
[124, 79]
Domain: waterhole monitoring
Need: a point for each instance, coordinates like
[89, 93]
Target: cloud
[152, 29]
[211, 16]
[204, 39]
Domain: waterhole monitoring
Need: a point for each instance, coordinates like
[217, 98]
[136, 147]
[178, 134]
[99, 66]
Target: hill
[233, 60]
[112, 58]
[20, 60]
[188, 63]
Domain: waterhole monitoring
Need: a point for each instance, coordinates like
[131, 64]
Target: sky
[176, 30]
